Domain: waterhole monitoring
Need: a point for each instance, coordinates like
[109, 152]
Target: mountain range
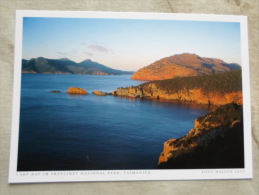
[66, 66]
[182, 65]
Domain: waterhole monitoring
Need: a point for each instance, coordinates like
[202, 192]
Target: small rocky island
[77, 91]
[100, 93]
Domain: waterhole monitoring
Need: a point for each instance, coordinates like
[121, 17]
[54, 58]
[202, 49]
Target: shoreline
[211, 143]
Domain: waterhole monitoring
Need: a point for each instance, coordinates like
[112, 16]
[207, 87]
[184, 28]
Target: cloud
[88, 53]
[83, 43]
[74, 51]
[99, 48]
[70, 53]
[62, 54]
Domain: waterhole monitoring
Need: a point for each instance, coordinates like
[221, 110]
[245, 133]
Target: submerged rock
[55, 91]
[77, 90]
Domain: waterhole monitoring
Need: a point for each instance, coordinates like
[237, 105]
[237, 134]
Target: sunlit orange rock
[216, 141]
[197, 96]
[216, 89]
[77, 90]
[182, 65]
[100, 93]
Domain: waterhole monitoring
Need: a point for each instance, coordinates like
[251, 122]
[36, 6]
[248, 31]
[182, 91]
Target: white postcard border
[128, 175]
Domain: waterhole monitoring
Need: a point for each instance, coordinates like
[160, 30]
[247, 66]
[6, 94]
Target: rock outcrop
[55, 91]
[100, 93]
[182, 65]
[198, 96]
[130, 92]
[216, 141]
[77, 91]
[216, 89]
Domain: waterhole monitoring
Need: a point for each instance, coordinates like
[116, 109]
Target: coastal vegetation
[222, 82]
[217, 89]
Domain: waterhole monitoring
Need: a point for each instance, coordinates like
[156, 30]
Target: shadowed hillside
[66, 66]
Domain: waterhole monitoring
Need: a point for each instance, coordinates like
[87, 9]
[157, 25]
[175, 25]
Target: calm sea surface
[59, 131]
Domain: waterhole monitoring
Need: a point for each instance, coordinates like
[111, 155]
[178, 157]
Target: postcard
[117, 96]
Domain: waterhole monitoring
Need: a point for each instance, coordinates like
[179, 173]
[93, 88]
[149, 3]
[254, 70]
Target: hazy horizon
[128, 44]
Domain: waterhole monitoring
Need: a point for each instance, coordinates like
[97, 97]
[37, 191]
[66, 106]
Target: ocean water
[59, 131]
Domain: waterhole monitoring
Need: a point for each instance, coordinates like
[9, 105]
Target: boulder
[77, 90]
[100, 93]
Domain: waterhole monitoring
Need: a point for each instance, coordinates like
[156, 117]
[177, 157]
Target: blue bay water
[59, 131]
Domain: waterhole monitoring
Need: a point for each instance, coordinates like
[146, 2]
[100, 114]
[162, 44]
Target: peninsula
[216, 89]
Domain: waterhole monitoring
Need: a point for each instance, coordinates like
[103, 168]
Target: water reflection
[170, 103]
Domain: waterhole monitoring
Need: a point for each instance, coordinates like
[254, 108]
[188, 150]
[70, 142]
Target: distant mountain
[182, 65]
[66, 66]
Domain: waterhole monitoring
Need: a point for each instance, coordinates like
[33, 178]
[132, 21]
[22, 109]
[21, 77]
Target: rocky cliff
[217, 89]
[182, 65]
[216, 141]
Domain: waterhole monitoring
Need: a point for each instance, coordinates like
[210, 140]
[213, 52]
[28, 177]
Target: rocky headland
[182, 65]
[216, 89]
[77, 91]
[216, 141]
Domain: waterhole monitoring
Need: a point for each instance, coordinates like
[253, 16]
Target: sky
[128, 44]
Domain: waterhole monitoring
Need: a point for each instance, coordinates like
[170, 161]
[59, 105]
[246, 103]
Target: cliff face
[217, 89]
[182, 65]
[216, 141]
[198, 96]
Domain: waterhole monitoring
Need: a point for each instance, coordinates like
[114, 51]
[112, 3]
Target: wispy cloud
[99, 48]
[70, 53]
[74, 51]
[62, 54]
[88, 53]
[83, 43]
